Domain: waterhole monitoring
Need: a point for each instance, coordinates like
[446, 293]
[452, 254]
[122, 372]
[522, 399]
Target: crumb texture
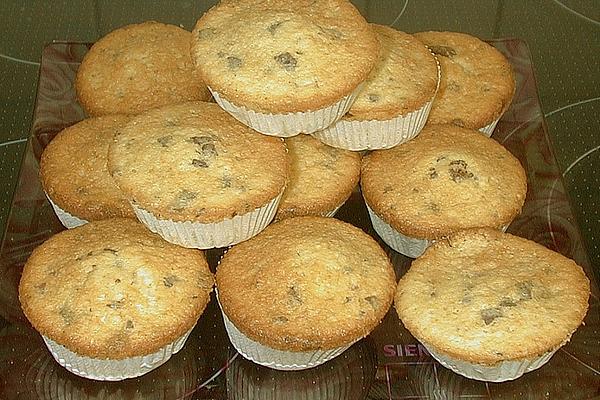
[403, 80]
[73, 170]
[194, 162]
[278, 56]
[111, 289]
[306, 283]
[136, 68]
[477, 82]
[484, 296]
[321, 177]
[446, 179]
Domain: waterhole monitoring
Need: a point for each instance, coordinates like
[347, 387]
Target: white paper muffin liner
[290, 124]
[489, 129]
[210, 235]
[501, 372]
[277, 359]
[68, 220]
[407, 245]
[113, 370]
[374, 134]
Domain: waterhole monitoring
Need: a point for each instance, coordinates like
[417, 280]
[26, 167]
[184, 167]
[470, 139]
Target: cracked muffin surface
[484, 297]
[279, 56]
[446, 179]
[111, 289]
[306, 283]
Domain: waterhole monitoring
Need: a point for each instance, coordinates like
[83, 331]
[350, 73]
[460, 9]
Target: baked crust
[403, 80]
[112, 290]
[306, 283]
[484, 297]
[136, 68]
[321, 177]
[194, 162]
[278, 56]
[477, 82]
[446, 179]
[73, 170]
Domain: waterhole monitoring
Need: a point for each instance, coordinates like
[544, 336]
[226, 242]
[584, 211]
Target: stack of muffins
[298, 292]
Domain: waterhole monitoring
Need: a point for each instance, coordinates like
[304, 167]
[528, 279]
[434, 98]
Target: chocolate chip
[458, 122]
[444, 51]
[116, 304]
[209, 150]
[507, 302]
[170, 280]
[280, 319]
[347, 300]
[373, 98]
[274, 26]
[129, 324]
[41, 288]
[294, 295]
[66, 314]
[287, 61]
[234, 62]
[109, 250]
[117, 280]
[165, 141]
[490, 314]
[331, 33]
[200, 140]
[183, 199]
[432, 173]
[458, 170]
[225, 181]
[199, 163]
[206, 33]
[524, 290]
[373, 301]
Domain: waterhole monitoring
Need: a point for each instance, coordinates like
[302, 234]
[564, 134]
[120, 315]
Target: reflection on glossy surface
[346, 377]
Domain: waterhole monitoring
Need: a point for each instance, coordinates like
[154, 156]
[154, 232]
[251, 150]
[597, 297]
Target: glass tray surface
[389, 364]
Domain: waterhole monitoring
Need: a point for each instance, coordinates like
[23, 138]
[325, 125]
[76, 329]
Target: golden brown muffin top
[446, 179]
[306, 283]
[403, 80]
[477, 82]
[111, 289]
[484, 296]
[321, 177]
[73, 170]
[194, 162]
[136, 68]
[281, 56]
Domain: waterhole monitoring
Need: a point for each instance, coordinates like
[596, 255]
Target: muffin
[394, 102]
[453, 178]
[284, 67]
[477, 82]
[321, 178]
[136, 68]
[492, 306]
[74, 176]
[198, 177]
[113, 300]
[302, 291]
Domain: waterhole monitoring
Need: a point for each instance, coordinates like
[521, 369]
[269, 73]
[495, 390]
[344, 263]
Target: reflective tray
[389, 364]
